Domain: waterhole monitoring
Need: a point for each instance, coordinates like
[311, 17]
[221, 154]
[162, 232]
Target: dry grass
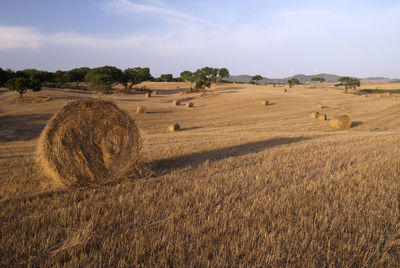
[89, 142]
[237, 187]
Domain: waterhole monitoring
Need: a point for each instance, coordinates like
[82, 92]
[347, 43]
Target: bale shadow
[22, 127]
[189, 128]
[195, 159]
[161, 112]
[355, 124]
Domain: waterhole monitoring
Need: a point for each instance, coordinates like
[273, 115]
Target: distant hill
[330, 78]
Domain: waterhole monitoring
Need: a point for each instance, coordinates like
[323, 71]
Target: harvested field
[239, 185]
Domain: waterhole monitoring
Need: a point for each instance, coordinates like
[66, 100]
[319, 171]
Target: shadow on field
[195, 159]
[22, 127]
[355, 124]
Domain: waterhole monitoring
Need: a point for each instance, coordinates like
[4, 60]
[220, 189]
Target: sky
[275, 39]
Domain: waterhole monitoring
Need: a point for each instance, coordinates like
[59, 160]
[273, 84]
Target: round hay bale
[174, 127]
[154, 93]
[176, 102]
[141, 110]
[264, 103]
[89, 142]
[394, 98]
[365, 96]
[379, 96]
[321, 117]
[341, 122]
[387, 94]
[314, 115]
[148, 95]
[284, 90]
[189, 104]
[320, 106]
[178, 87]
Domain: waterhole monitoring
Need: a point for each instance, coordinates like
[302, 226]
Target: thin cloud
[12, 37]
[128, 7]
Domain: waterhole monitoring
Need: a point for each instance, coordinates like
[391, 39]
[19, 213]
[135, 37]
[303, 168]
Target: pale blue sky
[271, 38]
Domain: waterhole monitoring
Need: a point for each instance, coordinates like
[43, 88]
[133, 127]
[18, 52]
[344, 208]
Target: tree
[223, 73]
[187, 76]
[348, 82]
[293, 81]
[256, 78]
[318, 79]
[21, 84]
[166, 77]
[5, 75]
[133, 76]
[76, 75]
[102, 79]
[202, 78]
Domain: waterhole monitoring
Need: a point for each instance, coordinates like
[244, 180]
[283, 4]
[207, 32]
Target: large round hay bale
[341, 122]
[189, 104]
[314, 115]
[89, 142]
[176, 102]
[141, 110]
[264, 103]
[174, 127]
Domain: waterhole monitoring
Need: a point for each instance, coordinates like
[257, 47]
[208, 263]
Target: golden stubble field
[241, 185]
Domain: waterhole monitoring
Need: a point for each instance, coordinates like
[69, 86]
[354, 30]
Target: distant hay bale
[154, 93]
[89, 142]
[264, 103]
[284, 90]
[176, 102]
[387, 94]
[141, 110]
[365, 96]
[178, 87]
[394, 98]
[314, 115]
[148, 94]
[320, 106]
[174, 127]
[379, 96]
[321, 117]
[189, 105]
[341, 122]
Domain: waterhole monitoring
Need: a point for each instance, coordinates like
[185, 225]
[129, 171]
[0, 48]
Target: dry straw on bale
[154, 93]
[176, 102]
[314, 115]
[174, 127]
[265, 103]
[320, 106]
[341, 122]
[189, 104]
[148, 95]
[141, 110]
[321, 117]
[89, 142]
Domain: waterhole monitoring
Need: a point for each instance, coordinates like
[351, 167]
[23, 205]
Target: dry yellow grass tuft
[174, 127]
[341, 122]
[189, 105]
[141, 110]
[89, 142]
[314, 115]
[321, 117]
[176, 102]
[264, 103]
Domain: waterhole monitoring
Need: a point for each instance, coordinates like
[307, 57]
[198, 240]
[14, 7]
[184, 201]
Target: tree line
[102, 79]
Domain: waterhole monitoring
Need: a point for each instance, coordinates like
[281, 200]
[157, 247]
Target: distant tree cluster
[318, 79]
[103, 79]
[202, 78]
[348, 82]
[293, 81]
